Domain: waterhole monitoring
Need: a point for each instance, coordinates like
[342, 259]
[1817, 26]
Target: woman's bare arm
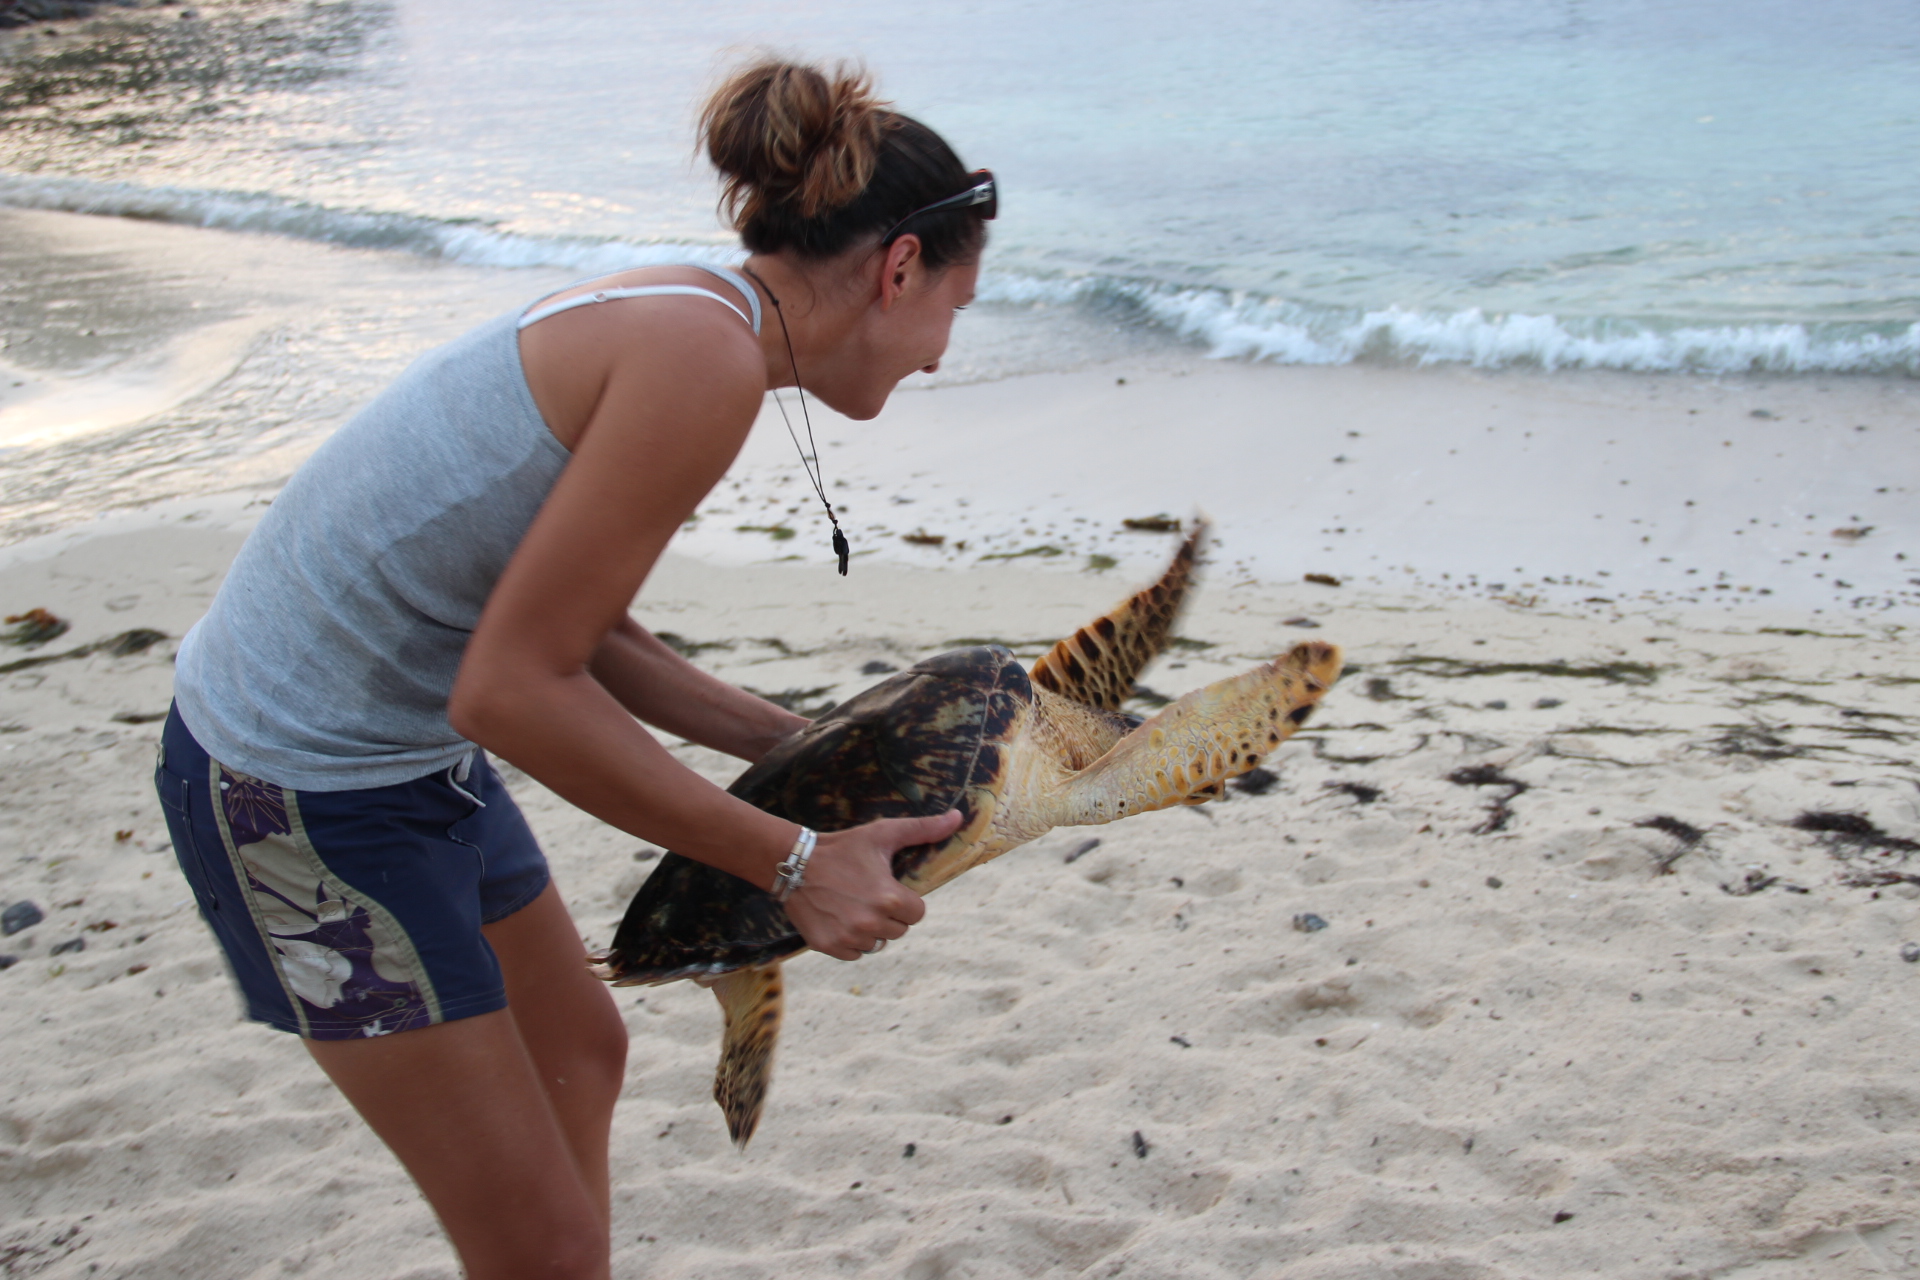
[662, 688]
[675, 405]
[680, 389]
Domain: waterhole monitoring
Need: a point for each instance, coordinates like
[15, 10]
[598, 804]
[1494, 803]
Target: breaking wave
[1249, 327]
[1229, 324]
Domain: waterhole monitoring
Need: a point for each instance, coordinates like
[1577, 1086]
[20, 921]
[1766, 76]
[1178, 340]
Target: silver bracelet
[791, 874]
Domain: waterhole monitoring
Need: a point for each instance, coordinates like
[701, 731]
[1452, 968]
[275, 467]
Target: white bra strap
[739, 282]
[649, 291]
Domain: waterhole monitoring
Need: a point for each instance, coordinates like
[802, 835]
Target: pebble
[1307, 922]
[1140, 1145]
[7, 962]
[877, 668]
[908, 1153]
[1910, 952]
[21, 915]
[71, 944]
[1494, 882]
[1303, 623]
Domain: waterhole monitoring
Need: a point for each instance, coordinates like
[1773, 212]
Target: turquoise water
[1710, 186]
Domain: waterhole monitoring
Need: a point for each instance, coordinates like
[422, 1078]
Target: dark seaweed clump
[1380, 689]
[1685, 833]
[1755, 741]
[1853, 828]
[124, 645]
[1360, 791]
[1853, 837]
[1499, 812]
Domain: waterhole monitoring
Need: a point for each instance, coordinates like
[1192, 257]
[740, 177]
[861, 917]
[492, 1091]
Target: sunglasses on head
[980, 195]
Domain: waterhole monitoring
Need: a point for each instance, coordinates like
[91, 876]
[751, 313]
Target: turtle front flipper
[753, 1001]
[1186, 753]
[1097, 665]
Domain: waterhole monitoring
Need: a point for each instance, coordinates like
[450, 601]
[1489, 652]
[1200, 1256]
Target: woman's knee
[603, 1046]
[586, 1048]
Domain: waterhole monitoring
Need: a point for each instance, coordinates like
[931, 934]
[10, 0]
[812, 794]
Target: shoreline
[1596, 489]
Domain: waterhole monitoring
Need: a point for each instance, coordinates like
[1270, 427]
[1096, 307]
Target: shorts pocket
[176, 801]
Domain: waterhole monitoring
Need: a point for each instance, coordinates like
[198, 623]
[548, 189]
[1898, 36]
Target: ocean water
[291, 199]
[1708, 185]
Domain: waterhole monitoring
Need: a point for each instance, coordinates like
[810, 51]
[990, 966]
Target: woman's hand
[849, 902]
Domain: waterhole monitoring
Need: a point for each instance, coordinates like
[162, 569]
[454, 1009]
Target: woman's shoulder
[653, 331]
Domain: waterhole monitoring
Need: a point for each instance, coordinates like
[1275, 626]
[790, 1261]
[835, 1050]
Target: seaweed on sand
[1685, 834]
[1622, 672]
[1380, 689]
[1760, 742]
[1044, 550]
[1320, 752]
[1854, 829]
[1872, 857]
[811, 703]
[124, 645]
[689, 648]
[1499, 811]
[34, 627]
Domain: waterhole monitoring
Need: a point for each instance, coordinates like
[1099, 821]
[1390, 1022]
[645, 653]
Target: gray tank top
[328, 655]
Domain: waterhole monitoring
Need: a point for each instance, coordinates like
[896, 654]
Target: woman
[454, 568]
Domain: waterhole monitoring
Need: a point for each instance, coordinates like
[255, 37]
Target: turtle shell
[919, 743]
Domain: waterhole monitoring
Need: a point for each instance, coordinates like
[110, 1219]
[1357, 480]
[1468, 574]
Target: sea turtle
[1018, 752]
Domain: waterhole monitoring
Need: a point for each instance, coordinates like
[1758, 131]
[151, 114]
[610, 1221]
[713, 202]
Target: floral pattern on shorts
[349, 967]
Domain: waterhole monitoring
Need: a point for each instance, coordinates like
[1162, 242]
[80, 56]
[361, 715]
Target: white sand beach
[1575, 937]
[1591, 998]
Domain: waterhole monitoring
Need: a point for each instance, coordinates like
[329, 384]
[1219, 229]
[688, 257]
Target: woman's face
[903, 330]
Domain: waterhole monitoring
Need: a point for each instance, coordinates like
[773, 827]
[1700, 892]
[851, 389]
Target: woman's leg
[570, 1025]
[502, 1119]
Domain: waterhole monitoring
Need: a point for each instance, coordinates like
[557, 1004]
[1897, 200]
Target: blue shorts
[351, 913]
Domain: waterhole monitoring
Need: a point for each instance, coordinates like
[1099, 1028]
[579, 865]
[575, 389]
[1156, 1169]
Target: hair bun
[786, 134]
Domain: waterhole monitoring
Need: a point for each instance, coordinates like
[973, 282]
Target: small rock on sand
[21, 915]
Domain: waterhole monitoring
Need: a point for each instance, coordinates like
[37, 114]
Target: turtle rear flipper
[753, 1001]
[1097, 664]
[1186, 754]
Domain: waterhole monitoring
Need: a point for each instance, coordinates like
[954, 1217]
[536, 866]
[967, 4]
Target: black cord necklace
[809, 461]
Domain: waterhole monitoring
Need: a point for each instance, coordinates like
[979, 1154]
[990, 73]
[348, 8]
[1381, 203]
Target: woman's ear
[901, 264]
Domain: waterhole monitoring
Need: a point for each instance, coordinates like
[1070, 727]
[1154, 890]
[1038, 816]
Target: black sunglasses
[981, 193]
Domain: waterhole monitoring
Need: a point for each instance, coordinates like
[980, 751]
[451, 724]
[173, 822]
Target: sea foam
[1229, 324]
[1234, 325]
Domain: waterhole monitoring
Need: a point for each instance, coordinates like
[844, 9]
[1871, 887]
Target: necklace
[810, 456]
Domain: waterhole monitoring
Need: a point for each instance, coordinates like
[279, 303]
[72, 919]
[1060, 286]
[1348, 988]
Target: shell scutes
[923, 741]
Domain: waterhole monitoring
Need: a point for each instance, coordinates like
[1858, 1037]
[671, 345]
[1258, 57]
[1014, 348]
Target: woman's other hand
[849, 902]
